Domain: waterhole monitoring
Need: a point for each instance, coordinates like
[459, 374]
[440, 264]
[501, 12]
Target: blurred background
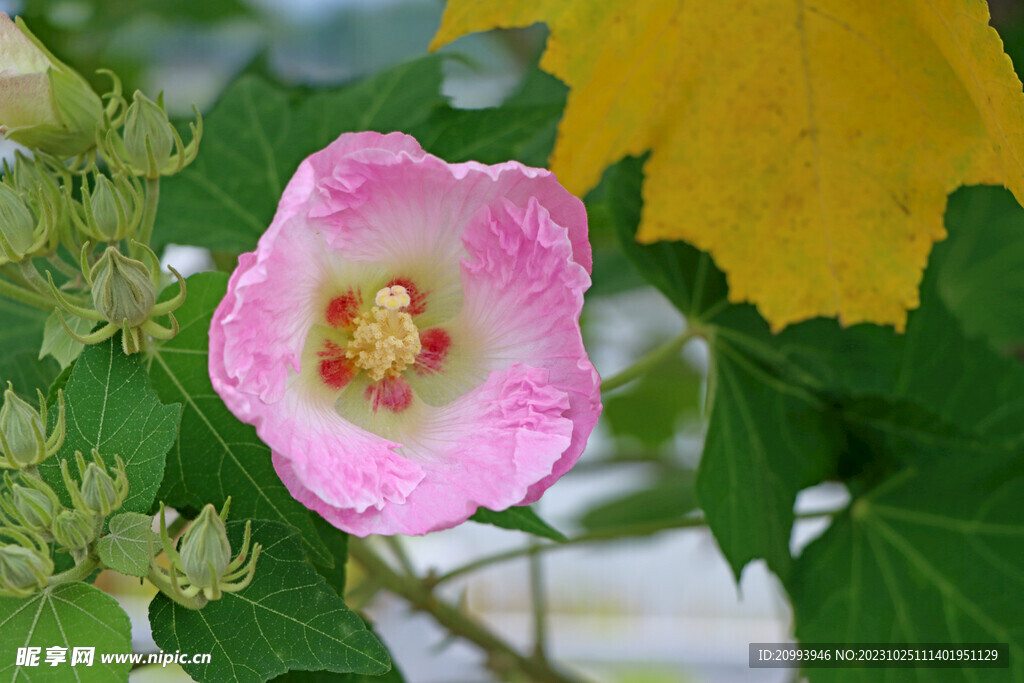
[658, 608]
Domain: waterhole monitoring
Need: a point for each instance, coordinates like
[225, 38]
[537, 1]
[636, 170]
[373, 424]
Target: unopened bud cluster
[82, 204]
[89, 189]
[32, 516]
[35, 519]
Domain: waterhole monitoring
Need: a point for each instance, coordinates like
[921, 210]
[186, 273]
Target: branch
[502, 658]
[649, 361]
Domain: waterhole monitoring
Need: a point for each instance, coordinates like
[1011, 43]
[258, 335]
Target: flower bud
[99, 494]
[98, 491]
[22, 428]
[205, 550]
[27, 173]
[44, 104]
[148, 137]
[36, 507]
[23, 570]
[20, 234]
[74, 529]
[112, 210]
[122, 289]
[23, 438]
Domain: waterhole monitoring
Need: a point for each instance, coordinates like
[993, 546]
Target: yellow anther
[393, 298]
[385, 341]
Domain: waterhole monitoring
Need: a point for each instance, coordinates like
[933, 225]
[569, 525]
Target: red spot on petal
[418, 302]
[435, 343]
[391, 393]
[336, 372]
[342, 310]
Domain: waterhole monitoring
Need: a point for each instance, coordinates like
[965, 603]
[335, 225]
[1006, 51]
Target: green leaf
[930, 555]
[287, 618]
[886, 434]
[766, 441]
[491, 136]
[394, 675]
[980, 265]
[130, 543]
[58, 343]
[58, 385]
[20, 337]
[219, 202]
[518, 518]
[70, 615]
[216, 456]
[671, 496]
[950, 387]
[934, 364]
[651, 409]
[336, 542]
[27, 373]
[111, 407]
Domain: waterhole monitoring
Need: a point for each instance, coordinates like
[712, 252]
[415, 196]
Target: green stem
[649, 361]
[502, 658]
[63, 266]
[610, 534]
[164, 584]
[32, 276]
[148, 215]
[399, 552]
[34, 299]
[77, 573]
[12, 271]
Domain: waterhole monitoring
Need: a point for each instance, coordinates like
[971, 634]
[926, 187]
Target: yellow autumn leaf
[808, 145]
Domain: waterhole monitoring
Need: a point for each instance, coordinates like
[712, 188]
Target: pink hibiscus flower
[406, 336]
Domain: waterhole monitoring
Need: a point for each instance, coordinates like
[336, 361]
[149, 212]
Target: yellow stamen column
[386, 340]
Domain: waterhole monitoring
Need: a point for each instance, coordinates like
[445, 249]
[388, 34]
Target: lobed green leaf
[70, 615]
[111, 407]
[130, 544]
[287, 618]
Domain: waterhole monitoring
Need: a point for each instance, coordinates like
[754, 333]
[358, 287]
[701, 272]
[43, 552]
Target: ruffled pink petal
[524, 294]
[339, 464]
[485, 449]
[382, 198]
[258, 331]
